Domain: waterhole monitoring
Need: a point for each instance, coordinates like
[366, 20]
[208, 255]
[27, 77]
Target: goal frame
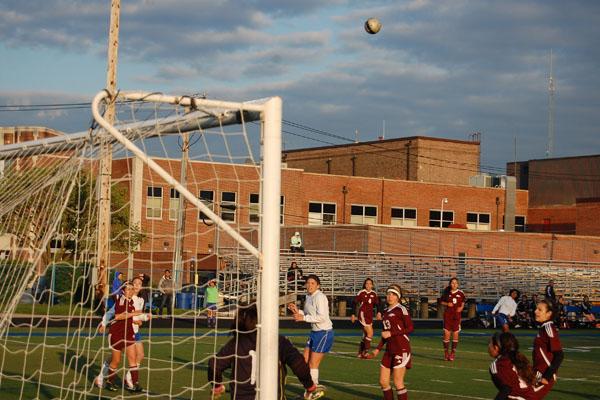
[270, 111]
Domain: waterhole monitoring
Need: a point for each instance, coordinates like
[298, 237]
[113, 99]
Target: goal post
[270, 111]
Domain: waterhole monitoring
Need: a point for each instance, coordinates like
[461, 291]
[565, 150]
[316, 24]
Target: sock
[446, 343]
[368, 343]
[111, 375]
[454, 345]
[388, 394]
[135, 374]
[402, 394]
[314, 374]
[361, 347]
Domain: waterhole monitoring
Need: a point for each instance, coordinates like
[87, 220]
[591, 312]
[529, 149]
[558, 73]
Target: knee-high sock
[368, 342]
[111, 375]
[454, 345]
[402, 394]
[446, 343]
[388, 394]
[135, 374]
[314, 374]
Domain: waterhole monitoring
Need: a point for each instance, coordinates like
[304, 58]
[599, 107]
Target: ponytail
[509, 347]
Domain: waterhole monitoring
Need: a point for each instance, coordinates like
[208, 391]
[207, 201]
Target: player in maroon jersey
[454, 300]
[547, 349]
[365, 302]
[122, 339]
[510, 371]
[397, 325]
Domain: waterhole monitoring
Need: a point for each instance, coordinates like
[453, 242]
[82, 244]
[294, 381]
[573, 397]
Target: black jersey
[239, 355]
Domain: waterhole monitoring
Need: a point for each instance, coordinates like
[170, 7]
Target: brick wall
[415, 158]
[588, 216]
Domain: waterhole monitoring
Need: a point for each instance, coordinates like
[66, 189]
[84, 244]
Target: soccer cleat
[135, 388]
[99, 381]
[111, 387]
[316, 394]
[446, 356]
[451, 357]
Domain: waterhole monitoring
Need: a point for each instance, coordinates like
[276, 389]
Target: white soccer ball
[372, 26]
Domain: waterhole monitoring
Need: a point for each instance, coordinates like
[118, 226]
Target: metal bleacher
[342, 274]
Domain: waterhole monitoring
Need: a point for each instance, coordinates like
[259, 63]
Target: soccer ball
[372, 26]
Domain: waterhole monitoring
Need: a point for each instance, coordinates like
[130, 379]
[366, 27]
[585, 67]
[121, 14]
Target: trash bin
[183, 300]
[342, 308]
[472, 310]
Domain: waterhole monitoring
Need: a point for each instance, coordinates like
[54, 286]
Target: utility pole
[106, 152]
[551, 90]
[180, 231]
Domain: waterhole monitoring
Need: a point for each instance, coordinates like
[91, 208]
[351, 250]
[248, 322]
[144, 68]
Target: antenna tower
[551, 90]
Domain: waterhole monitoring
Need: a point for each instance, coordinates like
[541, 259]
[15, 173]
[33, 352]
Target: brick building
[564, 193]
[19, 134]
[417, 158]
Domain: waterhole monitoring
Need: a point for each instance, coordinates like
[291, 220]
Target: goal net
[192, 192]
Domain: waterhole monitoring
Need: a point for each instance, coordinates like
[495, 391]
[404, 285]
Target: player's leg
[115, 360]
[399, 373]
[368, 337]
[314, 361]
[446, 343]
[139, 352]
[454, 343]
[384, 382]
[131, 353]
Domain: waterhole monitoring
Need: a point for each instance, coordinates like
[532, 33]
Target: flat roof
[372, 142]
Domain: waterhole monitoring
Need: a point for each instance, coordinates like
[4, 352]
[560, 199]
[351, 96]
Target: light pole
[444, 201]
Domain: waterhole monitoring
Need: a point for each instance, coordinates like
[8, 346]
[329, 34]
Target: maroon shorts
[365, 318]
[452, 322]
[119, 343]
[398, 360]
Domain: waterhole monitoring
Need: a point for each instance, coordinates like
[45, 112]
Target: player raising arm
[365, 302]
[397, 325]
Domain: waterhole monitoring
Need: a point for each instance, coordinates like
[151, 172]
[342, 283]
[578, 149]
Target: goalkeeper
[239, 355]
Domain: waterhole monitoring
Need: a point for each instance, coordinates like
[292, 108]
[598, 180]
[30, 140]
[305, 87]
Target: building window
[228, 206]
[404, 216]
[154, 203]
[365, 215]
[174, 204]
[254, 209]
[207, 197]
[478, 221]
[520, 223]
[434, 218]
[321, 213]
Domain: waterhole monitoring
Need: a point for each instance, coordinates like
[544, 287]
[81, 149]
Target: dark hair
[365, 283]
[138, 278]
[167, 270]
[245, 320]
[313, 277]
[395, 287]
[294, 263]
[549, 307]
[508, 346]
[515, 291]
[448, 289]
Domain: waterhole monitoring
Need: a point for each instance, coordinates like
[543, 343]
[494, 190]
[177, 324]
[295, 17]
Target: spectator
[116, 288]
[211, 297]
[506, 309]
[562, 304]
[533, 306]
[296, 243]
[523, 316]
[586, 311]
[144, 293]
[549, 292]
[166, 286]
[295, 277]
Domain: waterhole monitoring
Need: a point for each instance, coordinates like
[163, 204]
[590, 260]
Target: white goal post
[268, 253]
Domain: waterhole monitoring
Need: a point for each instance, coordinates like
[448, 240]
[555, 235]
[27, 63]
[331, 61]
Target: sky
[440, 68]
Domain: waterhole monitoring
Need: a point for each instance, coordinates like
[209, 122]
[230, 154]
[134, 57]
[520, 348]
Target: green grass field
[72, 362]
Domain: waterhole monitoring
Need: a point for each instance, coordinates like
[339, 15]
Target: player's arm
[557, 359]
[503, 393]
[498, 305]
[218, 364]
[355, 307]
[462, 306]
[125, 315]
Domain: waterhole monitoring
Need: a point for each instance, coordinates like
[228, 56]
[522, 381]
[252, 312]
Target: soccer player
[454, 300]
[212, 297]
[138, 303]
[239, 355]
[122, 339]
[505, 309]
[365, 302]
[510, 371]
[316, 312]
[547, 349]
[397, 325]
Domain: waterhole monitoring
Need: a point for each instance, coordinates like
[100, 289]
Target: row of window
[325, 214]
[318, 213]
[227, 211]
